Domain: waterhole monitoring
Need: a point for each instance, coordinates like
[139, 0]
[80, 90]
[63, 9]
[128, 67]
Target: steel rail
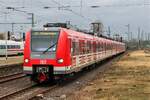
[11, 77]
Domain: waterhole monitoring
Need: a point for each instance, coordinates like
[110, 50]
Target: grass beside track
[127, 79]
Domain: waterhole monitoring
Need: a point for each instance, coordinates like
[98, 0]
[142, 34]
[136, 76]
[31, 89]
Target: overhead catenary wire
[68, 9]
[99, 6]
[2, 3]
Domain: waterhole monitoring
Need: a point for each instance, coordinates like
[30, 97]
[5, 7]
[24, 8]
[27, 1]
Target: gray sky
[113, 13]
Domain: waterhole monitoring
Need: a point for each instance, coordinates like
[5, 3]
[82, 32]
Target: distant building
[2, 36]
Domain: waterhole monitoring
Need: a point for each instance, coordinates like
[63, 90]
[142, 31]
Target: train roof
[88, 36]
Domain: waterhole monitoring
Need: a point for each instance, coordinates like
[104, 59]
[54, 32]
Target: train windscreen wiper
[49, 47]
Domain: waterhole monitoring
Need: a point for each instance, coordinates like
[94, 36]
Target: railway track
[7, 66]
[27, 92]
[11, 77]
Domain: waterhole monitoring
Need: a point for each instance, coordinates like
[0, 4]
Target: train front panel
[46, 54]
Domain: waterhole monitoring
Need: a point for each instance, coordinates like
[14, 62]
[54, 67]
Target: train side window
[3, 47]
[108, 46]
[105, 46]
[73, 48]
[97, 46]
[18, 47]
[94, 47]
[81, 46]
[8, 46]
[12, 46]
[77, 48]
[89, 47]
[100, 46]
[84, 47]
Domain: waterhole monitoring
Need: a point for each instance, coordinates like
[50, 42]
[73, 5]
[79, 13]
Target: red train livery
[59, 51]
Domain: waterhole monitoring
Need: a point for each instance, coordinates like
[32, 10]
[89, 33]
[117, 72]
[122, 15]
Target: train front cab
[44, 58]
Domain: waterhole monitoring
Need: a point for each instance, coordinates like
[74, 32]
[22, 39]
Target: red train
[56, 52]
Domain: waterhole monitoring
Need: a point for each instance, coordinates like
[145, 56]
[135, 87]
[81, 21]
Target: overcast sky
[114, 13]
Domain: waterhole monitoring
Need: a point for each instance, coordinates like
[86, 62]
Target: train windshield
[44, 41]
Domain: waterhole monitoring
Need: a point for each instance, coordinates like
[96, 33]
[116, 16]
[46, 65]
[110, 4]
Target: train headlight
[26, 60]
[45, 28]
[54, 49]
[60, 60]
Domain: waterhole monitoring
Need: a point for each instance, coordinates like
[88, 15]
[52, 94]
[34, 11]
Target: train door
[74, 52]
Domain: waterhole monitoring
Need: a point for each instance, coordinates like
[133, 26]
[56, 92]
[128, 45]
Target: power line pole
[128, 32]
[148, 36]
[32, 14]
[109, 31]
[128, 26]
[6, 37]
[81, 7]
[12, 28]
[131, 36]
[32, 19]
[13, 24]
[139, 37]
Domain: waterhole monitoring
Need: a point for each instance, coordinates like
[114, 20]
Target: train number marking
[43, 61]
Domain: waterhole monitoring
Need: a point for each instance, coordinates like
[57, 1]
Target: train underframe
[42, 73]
[45, 73]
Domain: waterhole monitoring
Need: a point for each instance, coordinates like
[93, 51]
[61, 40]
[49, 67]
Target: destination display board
[44, 33]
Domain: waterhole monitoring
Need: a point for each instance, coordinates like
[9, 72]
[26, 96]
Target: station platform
[11, 60]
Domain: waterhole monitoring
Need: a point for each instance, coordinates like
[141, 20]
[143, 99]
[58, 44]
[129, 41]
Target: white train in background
[13, 47]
